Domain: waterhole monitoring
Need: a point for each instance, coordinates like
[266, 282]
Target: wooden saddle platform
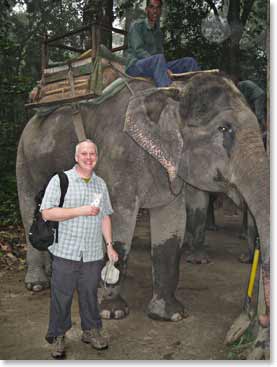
[77, 79]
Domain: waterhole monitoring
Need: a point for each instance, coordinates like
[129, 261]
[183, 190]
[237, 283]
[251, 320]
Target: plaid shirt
[81, 236]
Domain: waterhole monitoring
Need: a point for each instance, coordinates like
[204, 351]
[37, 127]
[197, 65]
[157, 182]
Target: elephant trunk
[250, 174]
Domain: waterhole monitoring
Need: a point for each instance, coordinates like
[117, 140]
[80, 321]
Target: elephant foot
[36, 280]
[37, 286]
[198, 258]
[167, 310]
[115, 308]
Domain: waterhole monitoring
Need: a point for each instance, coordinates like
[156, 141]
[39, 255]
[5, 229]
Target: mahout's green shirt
[143, 41]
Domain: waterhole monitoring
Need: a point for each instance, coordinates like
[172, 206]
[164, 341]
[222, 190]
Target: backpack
[42, 234]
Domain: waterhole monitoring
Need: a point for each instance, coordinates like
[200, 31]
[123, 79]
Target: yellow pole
[253, 273]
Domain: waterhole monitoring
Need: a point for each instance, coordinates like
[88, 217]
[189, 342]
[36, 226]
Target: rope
[124, 78]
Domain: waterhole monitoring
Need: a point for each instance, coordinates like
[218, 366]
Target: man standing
[78, 255]
[145, 54]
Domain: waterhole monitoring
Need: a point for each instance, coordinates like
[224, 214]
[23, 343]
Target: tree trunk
[231, 54]
[237, 18]
[231, 58]
[101, 12]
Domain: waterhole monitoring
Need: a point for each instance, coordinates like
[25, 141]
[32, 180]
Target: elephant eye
[228, 136]
[225, 129]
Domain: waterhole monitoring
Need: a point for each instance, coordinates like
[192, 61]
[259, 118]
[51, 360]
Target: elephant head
[203, 133]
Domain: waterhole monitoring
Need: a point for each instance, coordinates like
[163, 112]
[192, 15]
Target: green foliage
[239, 349]
[124, 8]
[182, 26]
[21, 32]
[9, 210]
[253, 45]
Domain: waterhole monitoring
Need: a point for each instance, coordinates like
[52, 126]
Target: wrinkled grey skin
[200, 218]
[197, 205]
[150, 146]
[250, 232]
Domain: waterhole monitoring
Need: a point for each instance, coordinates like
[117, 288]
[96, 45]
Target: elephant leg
[211, 225]
[197, 205]
[38, 270]
[38, 262]
[112, 305]
[167, 235]
[243, 233]
[252, 233]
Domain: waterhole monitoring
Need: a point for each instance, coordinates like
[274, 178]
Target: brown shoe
[95, 338]
[58, 348]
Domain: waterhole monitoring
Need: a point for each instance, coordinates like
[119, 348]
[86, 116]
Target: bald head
[85, 142]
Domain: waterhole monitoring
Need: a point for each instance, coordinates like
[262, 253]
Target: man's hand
[112, 254]
[89, 210]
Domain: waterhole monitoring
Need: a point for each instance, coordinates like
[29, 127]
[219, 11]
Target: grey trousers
[68, 275]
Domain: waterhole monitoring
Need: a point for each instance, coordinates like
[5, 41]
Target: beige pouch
[110, 274]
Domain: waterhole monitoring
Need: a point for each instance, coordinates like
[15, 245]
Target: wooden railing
[94, 28]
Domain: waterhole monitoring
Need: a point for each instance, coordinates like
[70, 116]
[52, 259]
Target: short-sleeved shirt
[143, 41]
[79, 237]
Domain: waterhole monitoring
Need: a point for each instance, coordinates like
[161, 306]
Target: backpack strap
[63, 186]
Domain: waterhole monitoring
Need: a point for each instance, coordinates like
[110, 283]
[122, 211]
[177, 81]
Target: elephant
[197, 205]
[200, 218]
[153, 143]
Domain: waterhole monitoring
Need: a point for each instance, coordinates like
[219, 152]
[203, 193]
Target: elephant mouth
[223, 182]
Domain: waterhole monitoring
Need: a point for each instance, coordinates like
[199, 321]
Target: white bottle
[96, 199]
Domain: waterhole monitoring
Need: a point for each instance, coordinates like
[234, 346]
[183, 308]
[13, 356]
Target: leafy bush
[9, 209]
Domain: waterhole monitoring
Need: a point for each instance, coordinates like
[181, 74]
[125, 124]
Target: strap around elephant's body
[78, 124]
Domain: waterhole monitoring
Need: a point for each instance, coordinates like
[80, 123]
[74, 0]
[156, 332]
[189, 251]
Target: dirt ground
[212, 294]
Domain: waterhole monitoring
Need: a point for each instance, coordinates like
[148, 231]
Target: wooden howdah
[72, 80]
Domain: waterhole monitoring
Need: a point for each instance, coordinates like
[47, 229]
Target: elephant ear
[153, 121]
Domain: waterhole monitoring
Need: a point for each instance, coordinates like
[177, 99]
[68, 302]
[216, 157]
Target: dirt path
[212, 294]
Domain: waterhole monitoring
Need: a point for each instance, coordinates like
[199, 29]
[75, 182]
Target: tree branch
[213, 7]
[246, 10]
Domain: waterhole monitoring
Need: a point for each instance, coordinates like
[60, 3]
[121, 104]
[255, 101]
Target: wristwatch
[109, 243]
